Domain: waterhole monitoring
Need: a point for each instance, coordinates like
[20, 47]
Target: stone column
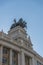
[1, 54]
[18, 58]
[22, 58]
[10, 56]
[33, 61]
[30, 61]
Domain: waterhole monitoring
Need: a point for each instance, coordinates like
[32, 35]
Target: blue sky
[31, 11]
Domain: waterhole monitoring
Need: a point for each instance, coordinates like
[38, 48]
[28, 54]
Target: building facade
[16, 48]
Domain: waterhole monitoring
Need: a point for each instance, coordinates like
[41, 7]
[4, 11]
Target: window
[27, 60]
[13, 62]
[6, 56]
[14, 58]
[4, 60]
[38, 63]
[5, 50]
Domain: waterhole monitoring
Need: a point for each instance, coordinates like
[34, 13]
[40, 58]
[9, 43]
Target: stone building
[16, 48]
